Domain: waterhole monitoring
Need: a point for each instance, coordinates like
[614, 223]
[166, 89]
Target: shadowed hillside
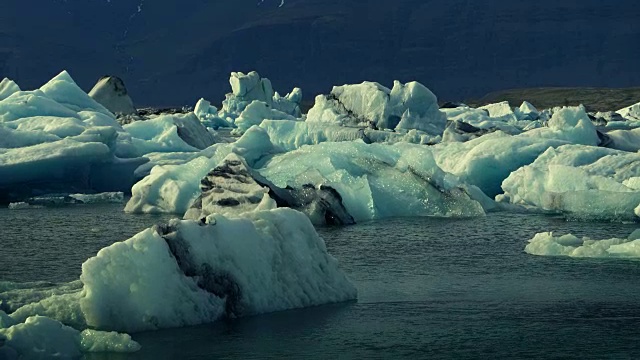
[174, 52]
[594, 99]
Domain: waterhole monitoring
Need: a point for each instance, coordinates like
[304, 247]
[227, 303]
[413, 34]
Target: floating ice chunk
[7, 87]
[255, 113]
[266, 261]
[571, 124]
[21, 205]
[289, 104]
[251, 87]
[581, 181]
[107, 197]
[64, 90]
[40, 337]
[247, 88]
[569, 245]
[111, 93]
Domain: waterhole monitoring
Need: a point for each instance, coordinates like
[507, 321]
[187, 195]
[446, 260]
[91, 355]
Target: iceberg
[250, 87]
[404, 107]
[546, 244]
[255, 113]
[58, 139]
[64, 90]
[580, 181]
[208, 115]
[111, 93]
[486, 161]
[40, 337]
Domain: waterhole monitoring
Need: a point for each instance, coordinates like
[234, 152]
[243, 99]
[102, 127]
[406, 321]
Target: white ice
[546, 244]
[581, 181]
[404, 107]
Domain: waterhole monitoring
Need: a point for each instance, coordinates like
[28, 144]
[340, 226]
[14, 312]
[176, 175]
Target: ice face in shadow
[546, 244]
[583, 182]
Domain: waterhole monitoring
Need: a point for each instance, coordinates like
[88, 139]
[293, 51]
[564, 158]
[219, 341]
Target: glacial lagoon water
[428, 288]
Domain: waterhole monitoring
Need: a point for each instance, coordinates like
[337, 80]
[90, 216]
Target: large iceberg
[404, 107]
[377, 180]
[569, 245]
[580, 181]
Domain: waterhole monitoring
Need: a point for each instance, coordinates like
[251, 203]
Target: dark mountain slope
[173, 52]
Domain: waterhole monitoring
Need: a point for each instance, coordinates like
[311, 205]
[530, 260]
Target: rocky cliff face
[174, 52]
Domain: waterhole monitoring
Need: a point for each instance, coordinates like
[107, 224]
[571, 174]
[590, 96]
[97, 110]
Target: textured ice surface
[375, 180]
[58, 139]
[290, 135]
[169, 133]
[581, 181]
[40, 337]
[255, 113]
[173, 188]
[265, 261]
[232, 188]
[488, 160]
[111, 93]
[568, 245]
[404, 107]
[631, 113]
[250, 87]
[7, 87]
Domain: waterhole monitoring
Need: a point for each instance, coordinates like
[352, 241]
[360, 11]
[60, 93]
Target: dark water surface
[428, 288]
